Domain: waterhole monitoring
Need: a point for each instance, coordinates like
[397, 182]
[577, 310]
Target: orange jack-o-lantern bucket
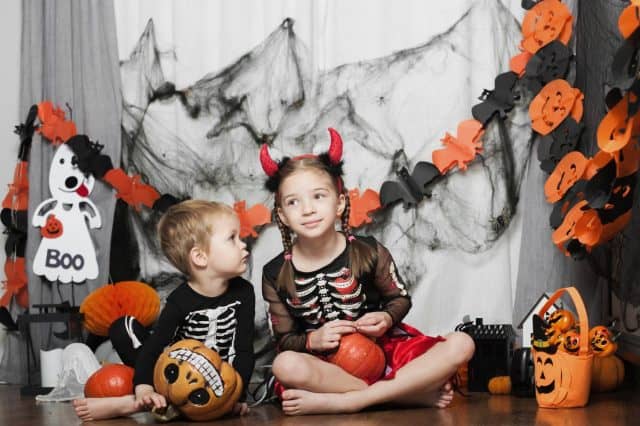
[563, 380]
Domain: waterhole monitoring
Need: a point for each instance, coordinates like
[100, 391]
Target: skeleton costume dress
[223, 323]
[332, 292]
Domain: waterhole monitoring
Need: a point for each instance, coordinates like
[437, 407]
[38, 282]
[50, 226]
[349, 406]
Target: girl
[326, 284]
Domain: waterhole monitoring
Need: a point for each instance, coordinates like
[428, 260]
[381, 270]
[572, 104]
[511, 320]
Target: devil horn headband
[333, 157]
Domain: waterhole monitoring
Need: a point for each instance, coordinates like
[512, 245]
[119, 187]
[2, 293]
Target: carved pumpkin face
[53, 227]
[601, 341]
[196, 380]
[561, 319]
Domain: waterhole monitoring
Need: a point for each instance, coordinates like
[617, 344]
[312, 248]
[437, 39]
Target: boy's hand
[240, 408]
[147, 397]
[328, 336]
[374, 324]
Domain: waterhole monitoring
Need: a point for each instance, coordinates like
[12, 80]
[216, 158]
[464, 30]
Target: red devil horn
[335, 149]
[269, 166]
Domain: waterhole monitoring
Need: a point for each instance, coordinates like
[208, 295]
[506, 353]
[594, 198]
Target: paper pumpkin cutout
[16, 282]
[615, 129]
[106, 304]
[548, 64]
[362, 206]
[545, 22]
[557, 144]
[499, 101]
[629, 19]
[555, 102]
[518, 63]
[71, 256]
[410, 188]
[53, 124]
[131, 189]
[568, 171]
[459, 150]
[257, 215]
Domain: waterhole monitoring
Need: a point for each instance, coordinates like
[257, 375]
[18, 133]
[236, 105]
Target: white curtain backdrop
[197, 38]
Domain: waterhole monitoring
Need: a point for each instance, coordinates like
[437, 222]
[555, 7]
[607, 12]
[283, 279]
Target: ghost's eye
[62, 161]
[74, 161]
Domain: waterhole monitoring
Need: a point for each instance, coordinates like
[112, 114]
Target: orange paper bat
[16, 283]
[249, 219]
[461, 150]
[362, 206]
[131, 189]
[53, 125]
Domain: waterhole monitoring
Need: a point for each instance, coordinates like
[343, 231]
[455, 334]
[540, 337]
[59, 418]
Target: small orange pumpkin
[53, 228]
[106, 304]
[196, 381]
[555, 102]
[561, 319]
[602, 341]
[359, 356]
[607, 373]
[570, 341]
[499, 385]
[110, 380]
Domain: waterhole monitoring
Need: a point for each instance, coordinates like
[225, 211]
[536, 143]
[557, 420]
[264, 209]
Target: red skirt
[400, 344]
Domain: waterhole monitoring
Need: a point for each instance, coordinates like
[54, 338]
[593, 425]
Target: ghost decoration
[66, 252]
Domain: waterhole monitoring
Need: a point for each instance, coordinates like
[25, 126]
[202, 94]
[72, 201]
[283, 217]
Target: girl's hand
[328, 336]
[147, 397]
[374, 324]
[240, 408]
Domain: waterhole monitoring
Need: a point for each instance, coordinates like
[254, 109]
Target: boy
[214, 305]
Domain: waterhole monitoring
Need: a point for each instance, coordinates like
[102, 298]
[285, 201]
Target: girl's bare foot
[104, 408]
[441, 398]
[297, 402]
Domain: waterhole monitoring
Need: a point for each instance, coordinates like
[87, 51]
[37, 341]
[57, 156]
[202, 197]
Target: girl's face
[309, 203]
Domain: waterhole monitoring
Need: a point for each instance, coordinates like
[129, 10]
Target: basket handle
[583, 320]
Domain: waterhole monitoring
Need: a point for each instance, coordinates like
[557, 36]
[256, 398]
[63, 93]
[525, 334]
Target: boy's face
[228, 254]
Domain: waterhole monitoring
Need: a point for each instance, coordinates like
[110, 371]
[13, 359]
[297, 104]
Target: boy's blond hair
[187, 225]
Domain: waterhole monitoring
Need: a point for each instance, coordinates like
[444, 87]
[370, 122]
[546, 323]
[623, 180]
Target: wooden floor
[620, 408]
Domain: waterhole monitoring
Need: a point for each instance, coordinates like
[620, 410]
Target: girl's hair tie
[350, 238]
[287, 256]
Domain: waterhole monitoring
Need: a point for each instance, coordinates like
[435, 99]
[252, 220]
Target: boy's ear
[342, 204]
[283, 219]
[198, 257]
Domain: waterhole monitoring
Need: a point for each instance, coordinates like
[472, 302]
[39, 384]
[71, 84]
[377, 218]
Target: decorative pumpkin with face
[571, 341]
[602, 341]
[53, 227]
[561, 319]
[196, 380]
[555, 102]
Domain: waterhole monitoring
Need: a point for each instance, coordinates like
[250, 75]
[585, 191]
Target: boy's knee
[291, 369]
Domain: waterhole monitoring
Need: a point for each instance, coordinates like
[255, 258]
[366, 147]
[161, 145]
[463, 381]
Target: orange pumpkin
[53, 227]
[106, 304]
[570, 341]
[499, 385]
[545, 22]
[567, 172]
[602, 341]
[607, 373]
[359, 356]
[196, 381]
[110, 380]
[561, 319]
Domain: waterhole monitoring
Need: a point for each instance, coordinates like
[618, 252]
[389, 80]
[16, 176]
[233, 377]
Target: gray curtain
[69, 55]
[542, 267]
